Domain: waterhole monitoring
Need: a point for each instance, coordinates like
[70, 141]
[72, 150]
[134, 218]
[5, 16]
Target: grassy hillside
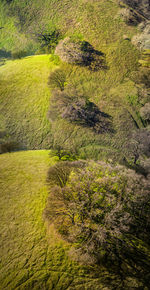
[28, 259]
[33, 258]
[97, 20]
[24, 100]
[112, 90]
[25, 96]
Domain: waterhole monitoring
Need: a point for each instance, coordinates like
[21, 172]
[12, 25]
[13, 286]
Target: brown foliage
[101, 207]
[138, 144]
[145, 112]
[80, 53]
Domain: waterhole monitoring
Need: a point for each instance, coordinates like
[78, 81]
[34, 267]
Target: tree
[104, 210]
[68, 104]
[48, 38]
[145, 112]
[75, 51]
[138, 144]
[57, 79]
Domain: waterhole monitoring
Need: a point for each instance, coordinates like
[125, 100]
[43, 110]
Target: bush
[74, 51]
[64, 155]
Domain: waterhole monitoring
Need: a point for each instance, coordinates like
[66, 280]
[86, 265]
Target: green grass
[24, 103]
[97, 21]
[30, 259]
[10, 37]
[24, 100]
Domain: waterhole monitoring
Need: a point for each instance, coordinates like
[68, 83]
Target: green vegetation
[29, 258]
[96, 23]
[24, 101]
[73, 82]
[103, 210]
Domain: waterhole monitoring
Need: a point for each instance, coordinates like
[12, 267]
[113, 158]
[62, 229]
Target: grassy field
[29, 258]
[24, 100]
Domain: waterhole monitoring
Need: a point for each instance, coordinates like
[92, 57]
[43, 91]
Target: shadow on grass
[4, 53]
[89, 116]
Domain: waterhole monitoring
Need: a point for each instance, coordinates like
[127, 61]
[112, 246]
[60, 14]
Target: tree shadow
[87, 114]
[99, 121]
[3, 56]
[4, 53]
[96, 60]
[136, 167]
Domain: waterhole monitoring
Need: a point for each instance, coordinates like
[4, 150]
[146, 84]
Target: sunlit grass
[30, 259]
[25, 94]
[24, 100]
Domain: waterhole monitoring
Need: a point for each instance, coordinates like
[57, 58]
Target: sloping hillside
[27, 95]
[24, 100]
[28, 259]
[108, 94]
[115, 89]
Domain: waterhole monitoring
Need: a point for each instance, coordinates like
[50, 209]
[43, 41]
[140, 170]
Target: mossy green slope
[28, 260]
[24, 100]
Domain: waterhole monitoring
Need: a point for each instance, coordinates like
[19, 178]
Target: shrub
[74, 51]
[58, 174]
